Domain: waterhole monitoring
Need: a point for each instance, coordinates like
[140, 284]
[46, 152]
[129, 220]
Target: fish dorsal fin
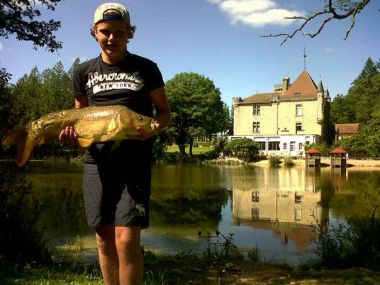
[85, 142]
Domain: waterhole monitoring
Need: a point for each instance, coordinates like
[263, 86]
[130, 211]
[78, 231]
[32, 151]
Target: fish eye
[140, 118]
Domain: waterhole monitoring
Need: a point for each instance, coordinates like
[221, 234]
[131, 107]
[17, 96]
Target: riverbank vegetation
[189, 269]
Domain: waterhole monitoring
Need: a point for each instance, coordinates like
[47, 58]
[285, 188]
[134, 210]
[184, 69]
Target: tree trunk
[191, 147]
[182, 149]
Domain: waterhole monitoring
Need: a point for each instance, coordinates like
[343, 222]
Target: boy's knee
[127, 238]
[105, 238]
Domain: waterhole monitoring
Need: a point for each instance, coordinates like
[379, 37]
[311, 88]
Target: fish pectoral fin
[85, 142]
[23, 156]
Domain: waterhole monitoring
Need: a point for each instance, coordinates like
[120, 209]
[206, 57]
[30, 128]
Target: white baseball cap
[111, 11]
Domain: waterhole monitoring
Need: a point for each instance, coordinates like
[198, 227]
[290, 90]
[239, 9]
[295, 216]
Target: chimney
[285, 84]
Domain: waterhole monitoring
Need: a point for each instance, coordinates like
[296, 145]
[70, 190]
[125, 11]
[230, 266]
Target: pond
[273, 209]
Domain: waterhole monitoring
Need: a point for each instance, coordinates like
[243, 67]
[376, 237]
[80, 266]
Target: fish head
[137, 124]
[146, 124]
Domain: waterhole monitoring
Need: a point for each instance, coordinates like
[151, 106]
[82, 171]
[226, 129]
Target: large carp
[92, 124]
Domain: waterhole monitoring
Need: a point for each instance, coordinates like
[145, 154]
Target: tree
[362, 99]
[370, 69]
[27, 104]
[245, 149]
[4, 95]
[342, 110]
[19, 17]
[37, 94]
[40, 93]
[197, 109]
[56, 89]
[366, 94]
[328, 129]
[365, 143]
[333, 10]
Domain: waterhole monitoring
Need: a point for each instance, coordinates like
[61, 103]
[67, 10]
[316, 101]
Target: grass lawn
[196, 150]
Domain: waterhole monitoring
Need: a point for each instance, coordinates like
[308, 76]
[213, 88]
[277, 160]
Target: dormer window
[298, 94]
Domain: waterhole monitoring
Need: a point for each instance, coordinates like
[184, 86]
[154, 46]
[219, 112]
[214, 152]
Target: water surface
[273, 209]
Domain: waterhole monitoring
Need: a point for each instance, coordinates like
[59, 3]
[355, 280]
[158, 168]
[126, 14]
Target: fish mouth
[154, 125]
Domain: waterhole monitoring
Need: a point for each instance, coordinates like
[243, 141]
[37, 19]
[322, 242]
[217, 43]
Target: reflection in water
[271, 208]
[288, 201]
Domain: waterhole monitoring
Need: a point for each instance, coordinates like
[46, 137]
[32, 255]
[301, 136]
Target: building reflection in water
[288, 201]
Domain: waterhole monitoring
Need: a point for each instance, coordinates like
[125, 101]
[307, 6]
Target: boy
[116, 178]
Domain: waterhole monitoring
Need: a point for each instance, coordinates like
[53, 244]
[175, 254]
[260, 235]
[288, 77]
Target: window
[261, 145]
[255, 213]
[300, 146]
[297, 198]
[299, 110]
[256, 127]
[274, 146]
[298, 127]
[292, 146]
[297, 214]
[284, 146]
[255, 196]
[256, 110]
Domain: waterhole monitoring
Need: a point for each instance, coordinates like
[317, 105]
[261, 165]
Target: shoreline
[352, 164]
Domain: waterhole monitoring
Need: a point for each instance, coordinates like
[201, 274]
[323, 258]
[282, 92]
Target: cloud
[1, 46]
[329, 50]
[256, 13]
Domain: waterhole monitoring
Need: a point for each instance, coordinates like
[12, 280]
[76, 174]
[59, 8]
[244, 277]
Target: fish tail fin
[23, 142]
[15, 136]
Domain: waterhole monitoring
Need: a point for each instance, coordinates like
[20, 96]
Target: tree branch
[330, 10]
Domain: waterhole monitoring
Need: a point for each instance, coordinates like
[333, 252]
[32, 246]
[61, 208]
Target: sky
[219, 39]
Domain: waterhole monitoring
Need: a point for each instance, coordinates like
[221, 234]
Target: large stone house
[283, 121]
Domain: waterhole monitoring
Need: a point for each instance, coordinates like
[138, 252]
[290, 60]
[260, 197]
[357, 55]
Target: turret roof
[320, 86]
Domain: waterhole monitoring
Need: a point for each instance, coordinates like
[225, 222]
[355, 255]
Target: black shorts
[117, 190]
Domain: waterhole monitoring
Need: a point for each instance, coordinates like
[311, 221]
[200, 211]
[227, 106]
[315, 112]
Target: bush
[245, 149]
[20, 240]
[274, 161]
[359, 146]
[323, 148]
[356, 243]
[288, 161]
[254, 254]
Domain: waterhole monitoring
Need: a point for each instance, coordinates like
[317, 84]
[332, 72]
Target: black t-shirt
[127, 83]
